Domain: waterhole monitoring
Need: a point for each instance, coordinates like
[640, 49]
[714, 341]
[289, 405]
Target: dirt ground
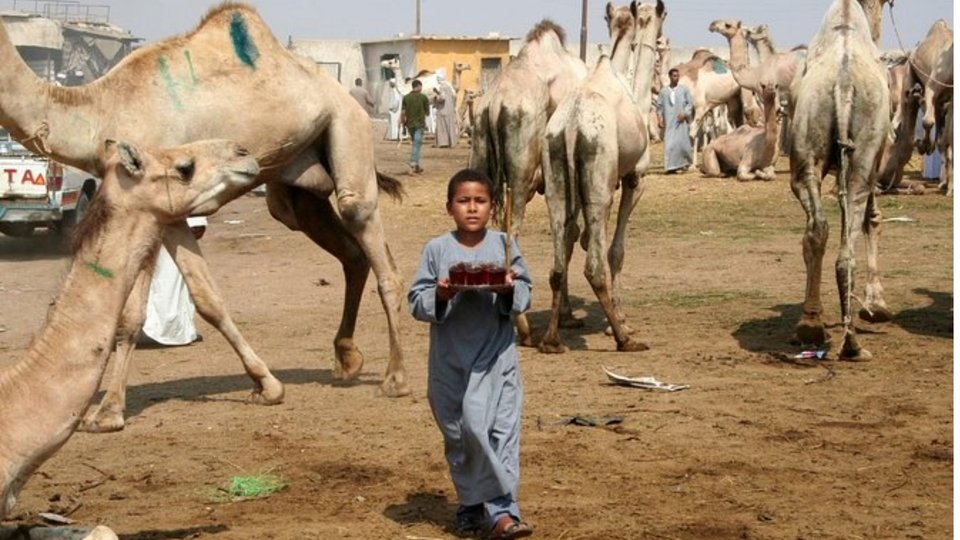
[757, 447]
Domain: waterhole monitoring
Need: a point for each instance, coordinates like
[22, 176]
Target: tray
[475, 287]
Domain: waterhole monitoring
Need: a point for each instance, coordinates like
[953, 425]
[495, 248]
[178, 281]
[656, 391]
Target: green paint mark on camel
[243, 44]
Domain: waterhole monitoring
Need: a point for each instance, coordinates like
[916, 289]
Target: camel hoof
[811, 333]
[877, 314]
[348, 366]
[394, 388]
[102, 422]
[632, 346]
[265, 397]
[552, 348]
[855, 355]
[525, 341]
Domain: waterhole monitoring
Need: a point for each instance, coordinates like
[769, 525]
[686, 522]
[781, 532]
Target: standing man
[363, 97]
[394, 131]
[413, 114]
[674, 111]
[445, 102]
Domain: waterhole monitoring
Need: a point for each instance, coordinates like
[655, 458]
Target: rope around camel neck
[929, 76]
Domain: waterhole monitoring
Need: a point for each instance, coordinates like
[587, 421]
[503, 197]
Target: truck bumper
[29, 212]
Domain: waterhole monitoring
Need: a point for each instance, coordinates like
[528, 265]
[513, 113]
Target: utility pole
[419, 10]
[583, 32]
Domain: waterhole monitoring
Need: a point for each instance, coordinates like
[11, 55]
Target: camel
[712, 85]
[946, 151]
[841, 120]
[300, 124]
[426, 77]
[44, 395]
[458, 69]
[748, 152]
[931, 64]
[897, 153]
[511, 118]
[595, 142]
[466, 115]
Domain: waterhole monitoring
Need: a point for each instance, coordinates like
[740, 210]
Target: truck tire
[73, 217]
[17, 228]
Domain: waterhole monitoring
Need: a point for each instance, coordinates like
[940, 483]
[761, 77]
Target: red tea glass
[497, 274]
[458, 274]
[474, 274]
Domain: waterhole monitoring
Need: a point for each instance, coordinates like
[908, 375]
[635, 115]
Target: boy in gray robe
[474, 384]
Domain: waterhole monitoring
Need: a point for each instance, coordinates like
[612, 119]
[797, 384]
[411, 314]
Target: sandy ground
[757, 447]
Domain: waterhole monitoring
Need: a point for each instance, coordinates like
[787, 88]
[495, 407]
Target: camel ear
[130, 158]
[633, 8]
[661, 9]
[609, 15]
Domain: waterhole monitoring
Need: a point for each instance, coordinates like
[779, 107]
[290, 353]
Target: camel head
[663, 44]
[621, 26]
[757, 33]
[649, 14]
[726, 28]
[461, 66]
[196, 178]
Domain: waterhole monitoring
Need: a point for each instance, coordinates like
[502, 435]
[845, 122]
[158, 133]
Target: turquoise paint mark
[99, 270]
[170, 83]
[719, 66]
[243, 45]
[193, 72]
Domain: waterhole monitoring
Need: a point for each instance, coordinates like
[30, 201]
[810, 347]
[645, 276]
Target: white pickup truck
[38, 192]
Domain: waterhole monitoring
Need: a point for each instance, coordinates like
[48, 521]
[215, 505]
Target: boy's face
[471, 207]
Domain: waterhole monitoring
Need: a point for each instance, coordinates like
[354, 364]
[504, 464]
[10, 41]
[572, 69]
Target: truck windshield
[10, 146]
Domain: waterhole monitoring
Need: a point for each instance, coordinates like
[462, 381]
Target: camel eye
[185, 168]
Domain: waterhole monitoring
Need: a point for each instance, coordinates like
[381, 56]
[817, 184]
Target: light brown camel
[899, 150]
[458, 69]
[931, 64]
[310, 140]
[595, 143]
[946, 151]
[467, 119]
[44, 395]
[512, 116]
[749, 152]
[841, 120]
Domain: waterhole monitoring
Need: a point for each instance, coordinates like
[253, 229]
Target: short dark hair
[472, 175]
[416, 83]
[673, 70]
[358, 81]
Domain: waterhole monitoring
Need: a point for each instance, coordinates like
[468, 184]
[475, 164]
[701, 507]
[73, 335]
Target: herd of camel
[547, 124]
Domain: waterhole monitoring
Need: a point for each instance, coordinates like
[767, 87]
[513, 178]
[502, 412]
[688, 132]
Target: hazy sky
[791, 22]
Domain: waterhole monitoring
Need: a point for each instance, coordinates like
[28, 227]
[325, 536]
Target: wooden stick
[507, 224]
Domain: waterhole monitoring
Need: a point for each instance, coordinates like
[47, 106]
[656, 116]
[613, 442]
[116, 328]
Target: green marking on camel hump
[243, 45]
[193, 72]
[719, 66]
[99, 270]
[169, 82]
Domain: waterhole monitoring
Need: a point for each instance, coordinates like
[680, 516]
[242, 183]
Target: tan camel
[899, 150]
[44, 395]
[748, 152]
[946, 151]
[458, 69]
[841, 120]
[595, 143]
[931, 64]
[300, 124]
[466, 116]
[511, 118]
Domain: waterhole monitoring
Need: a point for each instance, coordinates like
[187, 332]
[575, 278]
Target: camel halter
[913, 64]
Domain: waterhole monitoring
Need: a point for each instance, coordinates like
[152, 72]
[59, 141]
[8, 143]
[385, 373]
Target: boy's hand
[507, 286]
[444, 291]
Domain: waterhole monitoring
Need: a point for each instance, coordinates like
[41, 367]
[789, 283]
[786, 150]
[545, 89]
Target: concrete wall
[342, 59]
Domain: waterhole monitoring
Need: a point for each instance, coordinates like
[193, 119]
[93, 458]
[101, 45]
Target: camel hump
[544, 27]
[718, 64]
[423, 73]
[391, 186]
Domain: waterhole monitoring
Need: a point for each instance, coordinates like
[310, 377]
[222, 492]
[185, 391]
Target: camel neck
[47, 392]
[764, 49]
[739, 57]
[771, 130]
[46, 118]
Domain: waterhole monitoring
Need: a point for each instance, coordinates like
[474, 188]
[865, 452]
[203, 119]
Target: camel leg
[744, 171]
[562, 209]
[852, 219]
[100, 532]
[767, 173]
[185, 251]
[631, 189]
[326, 230]
[710, 166]
[108, 415]
[596, 211]
[352, 167]
[875, 308]
[806, 187]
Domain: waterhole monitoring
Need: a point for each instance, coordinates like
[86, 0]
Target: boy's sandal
[508, 527]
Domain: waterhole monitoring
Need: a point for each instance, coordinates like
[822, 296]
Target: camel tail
[497, 165]
[391, 186]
